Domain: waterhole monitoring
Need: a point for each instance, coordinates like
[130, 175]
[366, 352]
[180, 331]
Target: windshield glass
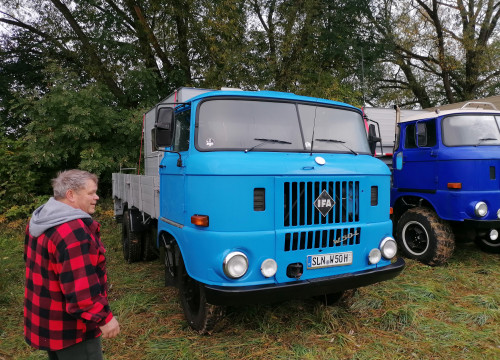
[473, 130]
[250, 125]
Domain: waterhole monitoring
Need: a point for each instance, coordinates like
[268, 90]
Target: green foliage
[70, 126]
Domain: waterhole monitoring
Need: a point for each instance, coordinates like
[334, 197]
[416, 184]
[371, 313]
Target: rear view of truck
[256, 197]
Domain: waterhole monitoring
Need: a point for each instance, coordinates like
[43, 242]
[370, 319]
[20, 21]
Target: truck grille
[322, 239]
[299, 197]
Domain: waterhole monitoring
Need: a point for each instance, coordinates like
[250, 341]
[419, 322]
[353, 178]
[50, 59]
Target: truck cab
[262, 196]
[446, 182]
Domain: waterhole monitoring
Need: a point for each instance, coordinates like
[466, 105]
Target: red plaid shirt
[65, 299]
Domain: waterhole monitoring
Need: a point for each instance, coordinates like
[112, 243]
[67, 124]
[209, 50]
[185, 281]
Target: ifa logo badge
[324, 203]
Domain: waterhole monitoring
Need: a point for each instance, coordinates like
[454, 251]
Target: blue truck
[257, 196]
[446, 181]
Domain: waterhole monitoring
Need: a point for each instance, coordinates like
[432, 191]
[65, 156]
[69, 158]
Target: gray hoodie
[53, 213]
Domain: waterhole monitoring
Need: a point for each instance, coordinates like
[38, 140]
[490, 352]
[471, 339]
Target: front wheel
[423, 236]
[200, 315]
[485, 243]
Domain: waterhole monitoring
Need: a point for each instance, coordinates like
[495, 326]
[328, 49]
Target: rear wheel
[486, 244]
[200, 315]
[423, 236]
[131, 241]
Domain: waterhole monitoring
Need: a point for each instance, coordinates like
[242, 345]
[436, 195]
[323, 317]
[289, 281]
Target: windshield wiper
[263, 141]
[485, 139]
[339, 142]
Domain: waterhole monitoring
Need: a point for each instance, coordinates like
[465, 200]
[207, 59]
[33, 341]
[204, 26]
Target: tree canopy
[76, 76]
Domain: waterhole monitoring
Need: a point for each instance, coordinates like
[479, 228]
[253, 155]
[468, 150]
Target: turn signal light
[454, 185]
[200, 220]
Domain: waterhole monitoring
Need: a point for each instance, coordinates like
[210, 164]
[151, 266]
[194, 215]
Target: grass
[448, 312]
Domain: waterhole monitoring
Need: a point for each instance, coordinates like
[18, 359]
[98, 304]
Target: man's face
[86, 198]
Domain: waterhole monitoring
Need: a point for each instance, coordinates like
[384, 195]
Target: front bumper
[241, 295]
[483, 224]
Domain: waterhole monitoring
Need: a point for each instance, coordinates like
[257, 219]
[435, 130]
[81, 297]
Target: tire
[131, 241]
[488, 245]
[201, 316]
[423, 236]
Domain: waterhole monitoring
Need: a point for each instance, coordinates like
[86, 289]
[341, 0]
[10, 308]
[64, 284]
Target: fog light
[493, 235]
[389, 248]
[374, 256]
[481, 209]
[235, 265]
[268, 268]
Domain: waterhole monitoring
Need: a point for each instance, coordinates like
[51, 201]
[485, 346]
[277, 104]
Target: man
[65, 301]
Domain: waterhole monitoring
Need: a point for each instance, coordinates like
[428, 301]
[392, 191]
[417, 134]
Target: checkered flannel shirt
[65, 298]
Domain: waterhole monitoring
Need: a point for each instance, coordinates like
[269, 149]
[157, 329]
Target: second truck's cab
[446, 182]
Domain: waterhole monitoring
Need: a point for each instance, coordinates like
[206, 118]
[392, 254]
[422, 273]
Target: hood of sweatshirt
[51, 214]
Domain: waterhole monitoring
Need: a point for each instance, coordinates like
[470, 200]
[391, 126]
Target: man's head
[77, 189]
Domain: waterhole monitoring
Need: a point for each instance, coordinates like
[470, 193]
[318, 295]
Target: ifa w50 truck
[255, 197]
[446, 181]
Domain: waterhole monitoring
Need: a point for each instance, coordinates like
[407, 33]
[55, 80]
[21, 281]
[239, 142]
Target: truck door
[172, 177]
[419, 150]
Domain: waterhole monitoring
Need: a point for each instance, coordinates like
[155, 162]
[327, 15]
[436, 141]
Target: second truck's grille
[299, 200]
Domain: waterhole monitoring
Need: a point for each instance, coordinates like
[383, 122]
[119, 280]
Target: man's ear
[70, 195]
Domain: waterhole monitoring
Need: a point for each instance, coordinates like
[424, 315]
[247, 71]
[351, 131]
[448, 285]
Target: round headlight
[268, 268]
[498, 213]
[481, 209]
[235, 265]
[374, 256]
[389, 248]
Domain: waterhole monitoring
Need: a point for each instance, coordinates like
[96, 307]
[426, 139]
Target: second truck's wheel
[200, 315]
[131, 241]
[423, 236]
[488, 245]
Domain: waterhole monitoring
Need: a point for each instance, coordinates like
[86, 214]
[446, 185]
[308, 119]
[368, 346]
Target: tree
[439, 51]
[312, 47]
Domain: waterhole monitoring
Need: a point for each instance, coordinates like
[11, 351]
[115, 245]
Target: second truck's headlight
[235, 265]
[481, 209]
[388, 248]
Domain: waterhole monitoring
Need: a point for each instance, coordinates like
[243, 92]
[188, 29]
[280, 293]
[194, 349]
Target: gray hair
[71, 180]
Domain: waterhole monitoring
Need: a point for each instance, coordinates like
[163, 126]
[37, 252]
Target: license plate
[329, 260]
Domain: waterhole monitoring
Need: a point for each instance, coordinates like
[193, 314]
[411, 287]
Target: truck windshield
[471, 130]
[251, 125]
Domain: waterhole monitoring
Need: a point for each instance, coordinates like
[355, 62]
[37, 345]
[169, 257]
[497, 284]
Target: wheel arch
[406, 202]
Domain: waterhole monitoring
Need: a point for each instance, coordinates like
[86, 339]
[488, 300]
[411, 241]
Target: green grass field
[448, 312]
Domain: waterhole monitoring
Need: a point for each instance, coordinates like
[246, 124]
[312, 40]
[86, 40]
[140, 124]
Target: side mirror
[373, 139]
[421, 134]
[164, 126]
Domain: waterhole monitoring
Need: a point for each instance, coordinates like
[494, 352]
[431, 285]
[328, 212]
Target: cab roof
[466, 109]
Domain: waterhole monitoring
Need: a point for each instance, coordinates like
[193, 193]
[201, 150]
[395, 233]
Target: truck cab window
[470, 130]
[410, 140]
[181, 131]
